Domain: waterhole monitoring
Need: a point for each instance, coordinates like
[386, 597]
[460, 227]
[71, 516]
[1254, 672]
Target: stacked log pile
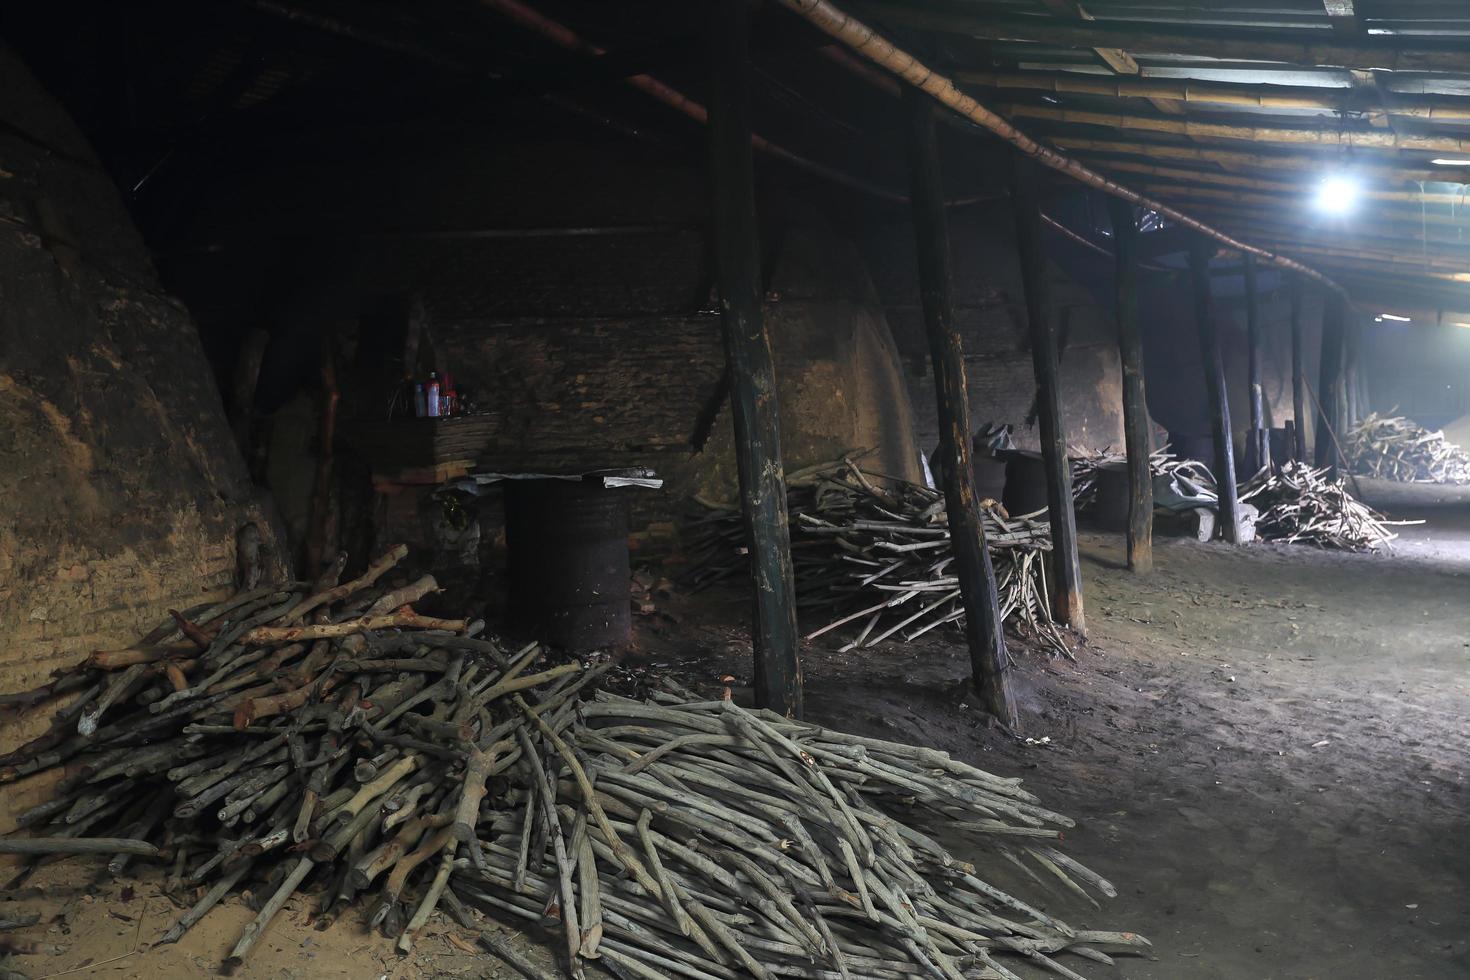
[1299, 504]
[1192, 477]
[874, 552]
[1396, 448]
[328, 739]
[701, 839]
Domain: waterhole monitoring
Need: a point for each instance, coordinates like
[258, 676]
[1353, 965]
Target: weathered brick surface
[120, 487]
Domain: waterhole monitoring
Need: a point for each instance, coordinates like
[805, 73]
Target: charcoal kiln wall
[1175, 377]
[990, 313]
[120, 487]
[567, 284]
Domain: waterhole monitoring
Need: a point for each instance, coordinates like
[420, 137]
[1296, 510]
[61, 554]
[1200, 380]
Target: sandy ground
[1265, 748]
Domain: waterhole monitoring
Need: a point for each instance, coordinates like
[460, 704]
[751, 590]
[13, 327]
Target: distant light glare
[1395, 318]
[1445, 162]
[1337, 195]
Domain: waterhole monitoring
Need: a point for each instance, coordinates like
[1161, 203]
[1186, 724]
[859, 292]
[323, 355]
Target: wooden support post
[1135, 404]
[1352, 342]
[1218, 403]
[748, 358]
[988, 659]
[1329, 370]
[1298, 372]
[1067, 593]
[1260, 446]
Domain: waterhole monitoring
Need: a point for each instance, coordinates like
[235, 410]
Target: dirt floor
[1265, 749]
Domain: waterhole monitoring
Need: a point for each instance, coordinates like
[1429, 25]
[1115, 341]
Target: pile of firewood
[291, 732]
[875, 552]
[325, 738]
[1302, 504]
[1396, 448]
[1192, 477]
[705, 840]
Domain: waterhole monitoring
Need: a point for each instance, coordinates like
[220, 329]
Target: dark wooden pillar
[1067, 591]
[1260, 446]
[1328, 373]
[1298, 372]
[1217, 402]
[988, 658]
[748, 358]
[1135, 404]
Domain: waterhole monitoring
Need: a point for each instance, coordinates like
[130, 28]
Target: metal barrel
[569, 565]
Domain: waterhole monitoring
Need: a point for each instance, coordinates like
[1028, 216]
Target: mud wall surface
[567, 284]
[120, 487]
[990, 312]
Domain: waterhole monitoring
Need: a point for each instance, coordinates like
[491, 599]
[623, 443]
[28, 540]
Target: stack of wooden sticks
[874, 551]
[326, 739]
[1395, 448]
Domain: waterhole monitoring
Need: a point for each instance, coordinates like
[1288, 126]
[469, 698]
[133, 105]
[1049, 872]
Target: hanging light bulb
[1337, 194]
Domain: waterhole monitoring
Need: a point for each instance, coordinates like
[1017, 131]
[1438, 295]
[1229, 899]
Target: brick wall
[120, 488]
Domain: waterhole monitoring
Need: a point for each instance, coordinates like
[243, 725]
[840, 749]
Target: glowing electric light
[1447, 162]
[1337, 195]
[1395, 318]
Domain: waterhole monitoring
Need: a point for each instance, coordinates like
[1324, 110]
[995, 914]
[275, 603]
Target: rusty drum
[569, 565]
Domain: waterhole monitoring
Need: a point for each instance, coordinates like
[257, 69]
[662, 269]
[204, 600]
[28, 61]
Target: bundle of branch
[1396, 448]
[874, 551]
[1302, 504]
[677, 838]
[1193, 478]
[292, 736]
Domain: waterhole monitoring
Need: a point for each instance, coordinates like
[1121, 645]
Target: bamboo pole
[988, 659]
[1368, 53]
[871, 45]
[1135, 403]
[1067, 572]
[1215, 393]
[1273, 186]
[1273, 162]
[750, 366]
[1189, 91]
[1330, 136]
[564, 37]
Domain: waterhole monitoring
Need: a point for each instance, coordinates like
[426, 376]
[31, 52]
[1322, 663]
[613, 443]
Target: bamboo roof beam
[1404, 225]
[1408, 259]
[1174, 91]
[868, 43]
[1409, 239]
[1119, 60]
[1294, 47]
[1277, 186]
[1273, 200]
[1240, 158]
[1197, 129]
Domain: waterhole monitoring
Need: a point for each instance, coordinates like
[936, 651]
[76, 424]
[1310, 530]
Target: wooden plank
[748, 355]
[1218, 405]
[1067, 579]
[1298, 372]
[1119, 60]
[1342, 16]
[1135, 403]
[1293, 47]
[1260, 446]
[988, 659]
